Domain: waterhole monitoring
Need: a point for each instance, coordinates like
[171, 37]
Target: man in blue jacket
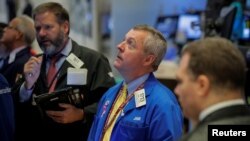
[139, 108]
[6, 111]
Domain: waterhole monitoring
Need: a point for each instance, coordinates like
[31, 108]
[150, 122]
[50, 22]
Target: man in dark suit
[7, 123]
[76, 66]
[17, 37]
[210, 86]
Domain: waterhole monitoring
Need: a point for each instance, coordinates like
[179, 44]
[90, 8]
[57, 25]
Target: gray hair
[154, 43]
[26, 27]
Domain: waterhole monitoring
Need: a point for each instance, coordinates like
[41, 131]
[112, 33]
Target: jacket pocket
[128, 131]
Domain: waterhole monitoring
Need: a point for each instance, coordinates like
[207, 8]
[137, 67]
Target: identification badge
[77, 76]
[74, 61]
[140, 98]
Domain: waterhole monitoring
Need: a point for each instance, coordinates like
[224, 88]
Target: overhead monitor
[189, 26]
[106, 25]
[246, 28]
[167, 26]
[226, 20]
[247, 4]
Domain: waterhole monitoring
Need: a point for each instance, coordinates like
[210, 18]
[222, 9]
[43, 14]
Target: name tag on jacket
[77, 76]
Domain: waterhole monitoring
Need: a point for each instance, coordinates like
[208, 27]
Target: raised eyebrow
[132, 39]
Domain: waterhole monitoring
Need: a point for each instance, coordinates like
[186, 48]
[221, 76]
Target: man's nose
[42, 32]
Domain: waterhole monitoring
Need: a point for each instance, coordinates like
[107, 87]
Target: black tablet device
[50, 101]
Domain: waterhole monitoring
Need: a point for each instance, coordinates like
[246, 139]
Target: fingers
[33, 66]
[32, 71]
[65, 106]
[55, 113]
[57, 116]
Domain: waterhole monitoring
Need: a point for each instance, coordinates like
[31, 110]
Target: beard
[54, 46]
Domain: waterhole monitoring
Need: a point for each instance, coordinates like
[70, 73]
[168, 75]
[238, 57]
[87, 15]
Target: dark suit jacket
[233, 115]
[98, 81]
[10, 71]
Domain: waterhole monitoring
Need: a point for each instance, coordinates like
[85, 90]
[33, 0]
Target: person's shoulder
[112, 91]
[234, 120]
[114, 88]
[160, 89]
[196, 135]
[88, 53]
[24, 54]
[199, 133]
[84, 49]
[160, 95]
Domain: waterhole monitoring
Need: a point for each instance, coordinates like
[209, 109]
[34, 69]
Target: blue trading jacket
[160, 119]
[6, 111]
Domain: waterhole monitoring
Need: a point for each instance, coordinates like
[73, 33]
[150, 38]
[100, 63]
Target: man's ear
[19, 35]
[203, 85]
[66, 26]
[149, 60]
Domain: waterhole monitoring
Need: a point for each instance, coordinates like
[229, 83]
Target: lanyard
[59, 57]
[108, 124]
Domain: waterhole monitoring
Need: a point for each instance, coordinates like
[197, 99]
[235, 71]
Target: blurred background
[102, 24]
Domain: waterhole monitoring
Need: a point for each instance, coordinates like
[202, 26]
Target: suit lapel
[63, 69]
[227, 112]
[43, 76]
[18, 55]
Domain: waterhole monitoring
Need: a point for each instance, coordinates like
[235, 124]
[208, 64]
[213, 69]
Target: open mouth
[45, 42]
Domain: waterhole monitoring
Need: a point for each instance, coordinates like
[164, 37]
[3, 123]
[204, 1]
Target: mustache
[41, 39]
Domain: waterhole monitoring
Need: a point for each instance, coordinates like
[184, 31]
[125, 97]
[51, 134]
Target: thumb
[64, 105]
[40, 60]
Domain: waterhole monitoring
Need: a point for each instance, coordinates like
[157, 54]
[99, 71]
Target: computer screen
[227, 18]
[247, 4]
[246, 28]
[167, 26]
[106, 26]
[189, 26]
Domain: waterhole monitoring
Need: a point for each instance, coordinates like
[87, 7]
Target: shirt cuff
[25, 94]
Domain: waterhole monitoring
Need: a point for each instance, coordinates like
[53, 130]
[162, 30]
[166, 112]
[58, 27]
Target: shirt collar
[13, 53]
[132, 86]
[67, 48]
[218, 106]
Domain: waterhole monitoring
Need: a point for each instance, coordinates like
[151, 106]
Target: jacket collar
[16, 53]
[64, 68]
[148, 86]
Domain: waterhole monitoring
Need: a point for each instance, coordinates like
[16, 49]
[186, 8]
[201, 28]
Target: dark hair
[56, 8]
[218, 59]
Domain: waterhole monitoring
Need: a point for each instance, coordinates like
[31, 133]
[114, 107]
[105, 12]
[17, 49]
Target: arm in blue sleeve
[25, 94]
